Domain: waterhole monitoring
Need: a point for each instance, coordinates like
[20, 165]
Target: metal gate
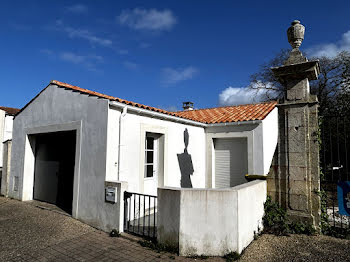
[140, 214]
[335, 168]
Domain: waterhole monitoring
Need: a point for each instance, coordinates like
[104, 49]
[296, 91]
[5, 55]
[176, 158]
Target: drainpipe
[124, 112]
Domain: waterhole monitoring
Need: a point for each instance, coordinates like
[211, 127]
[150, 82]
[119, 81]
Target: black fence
[335, 168]
[140, 214]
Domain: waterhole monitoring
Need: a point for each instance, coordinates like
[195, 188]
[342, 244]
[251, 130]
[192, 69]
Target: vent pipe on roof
[187, 106]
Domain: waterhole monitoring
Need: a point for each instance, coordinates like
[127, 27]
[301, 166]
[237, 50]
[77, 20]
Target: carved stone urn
[295, 34]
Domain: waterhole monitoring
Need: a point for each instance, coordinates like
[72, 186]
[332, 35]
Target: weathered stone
[298, 173]
[295, 34]
[296, 182]
[298, 187]
[298, 89]
[297, 159]
[298, 202]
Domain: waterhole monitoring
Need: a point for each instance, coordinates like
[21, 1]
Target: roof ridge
[251, 104]
[223, 114]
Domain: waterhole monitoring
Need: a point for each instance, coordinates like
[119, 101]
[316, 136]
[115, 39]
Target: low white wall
[210, 221]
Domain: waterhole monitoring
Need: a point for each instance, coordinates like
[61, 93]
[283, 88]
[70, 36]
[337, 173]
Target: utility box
[111, 195]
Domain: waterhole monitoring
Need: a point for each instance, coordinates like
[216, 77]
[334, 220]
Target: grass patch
[158, 247]
[114, 233]
[276, 221]
[232, 256]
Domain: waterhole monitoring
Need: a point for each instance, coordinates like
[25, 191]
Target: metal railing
[335, 166]
[140, 214]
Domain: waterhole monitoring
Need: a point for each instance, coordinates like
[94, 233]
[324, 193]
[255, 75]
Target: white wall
[8, 127]
[6, 123]
[262, 139]
[97, 128]
[210, 222]
[2, 129]
[133, 131]
[270, 138]
[254, 135]
[57, 109]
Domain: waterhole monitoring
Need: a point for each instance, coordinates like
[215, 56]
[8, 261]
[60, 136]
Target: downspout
[124, 112]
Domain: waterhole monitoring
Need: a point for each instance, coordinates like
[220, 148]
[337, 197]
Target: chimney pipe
[187, 106]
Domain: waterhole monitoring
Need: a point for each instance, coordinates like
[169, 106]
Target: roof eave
[238, 123]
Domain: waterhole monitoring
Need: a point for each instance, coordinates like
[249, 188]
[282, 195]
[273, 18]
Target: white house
[68, 142]
[6, 122]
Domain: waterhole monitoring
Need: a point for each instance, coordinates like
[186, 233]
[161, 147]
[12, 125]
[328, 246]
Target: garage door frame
[249, 135]
[29, 159]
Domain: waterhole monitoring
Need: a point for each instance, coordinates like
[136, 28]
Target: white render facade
[111, 141]
[6, 122]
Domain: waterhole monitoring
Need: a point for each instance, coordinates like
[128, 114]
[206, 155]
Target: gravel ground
[26, 229]
[297, 248]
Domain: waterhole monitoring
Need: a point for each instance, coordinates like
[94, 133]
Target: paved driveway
[29, 233]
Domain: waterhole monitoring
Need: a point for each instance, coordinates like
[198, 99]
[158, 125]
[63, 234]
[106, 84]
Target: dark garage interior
[54, 168]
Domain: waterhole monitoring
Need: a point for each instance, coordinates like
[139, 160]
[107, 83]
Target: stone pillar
[296, 180]
[6, 167]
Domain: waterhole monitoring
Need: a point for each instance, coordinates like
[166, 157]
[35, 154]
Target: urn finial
[295, 34]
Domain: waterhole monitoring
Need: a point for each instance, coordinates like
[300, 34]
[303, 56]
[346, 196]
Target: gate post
[296, 183]
[6, 168]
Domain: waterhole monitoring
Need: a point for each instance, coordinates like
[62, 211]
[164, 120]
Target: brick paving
[29, 233]
[96, 246]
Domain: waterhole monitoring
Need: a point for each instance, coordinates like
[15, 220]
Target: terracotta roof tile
[230, 113]
[9, 110]
[209, 116]
[112, 98]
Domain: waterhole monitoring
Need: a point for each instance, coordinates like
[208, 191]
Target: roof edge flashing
[156, 114]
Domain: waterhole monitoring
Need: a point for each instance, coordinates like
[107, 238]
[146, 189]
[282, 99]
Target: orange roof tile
[9, 110]
[230, 113]
[112, 98]
[209, 116]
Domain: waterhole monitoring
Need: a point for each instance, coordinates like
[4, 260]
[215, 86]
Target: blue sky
[159, 53]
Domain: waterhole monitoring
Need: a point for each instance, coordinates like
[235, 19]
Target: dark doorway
[54, 168]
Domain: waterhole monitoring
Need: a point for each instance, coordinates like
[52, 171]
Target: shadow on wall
[185, 163]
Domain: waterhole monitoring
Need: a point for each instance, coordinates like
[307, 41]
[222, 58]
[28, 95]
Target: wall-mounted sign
[343, 189]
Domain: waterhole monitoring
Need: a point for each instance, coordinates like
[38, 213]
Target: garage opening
[231, 161]
[54, 168]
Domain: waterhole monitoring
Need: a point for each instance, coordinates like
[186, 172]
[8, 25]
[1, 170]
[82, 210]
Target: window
[149, 156]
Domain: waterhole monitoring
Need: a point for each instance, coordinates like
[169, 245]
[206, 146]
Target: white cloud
[88, 61]
[20, 27]
[169, 108]
[151, 19]
[331, 49]
[173, 76]
[123, 52]
[130, 65]
[244, 95]
[47, 52]
[78, 9]
[82, 33]
[144, 45]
